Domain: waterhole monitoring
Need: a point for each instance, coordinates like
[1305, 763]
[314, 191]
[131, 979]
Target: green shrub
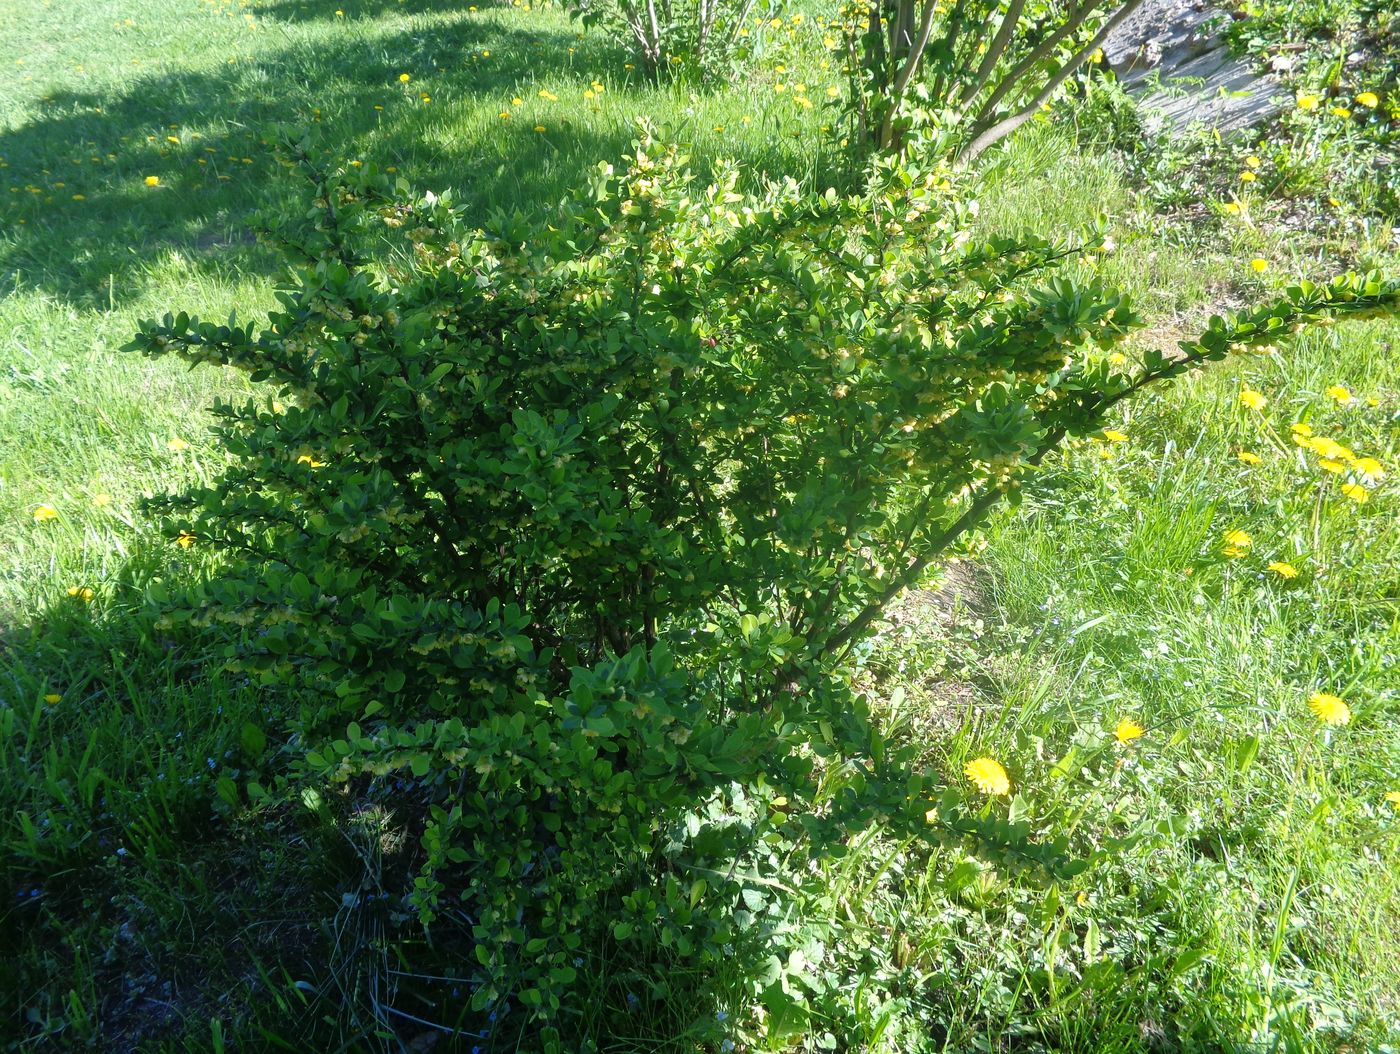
[578, 529]
[961, 77]
[698, 38]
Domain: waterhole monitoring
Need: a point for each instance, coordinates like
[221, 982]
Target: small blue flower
[121, 851]
[721, 1016]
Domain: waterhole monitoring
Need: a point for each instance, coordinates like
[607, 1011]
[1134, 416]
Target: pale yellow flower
[45, 512]
[81, 592]
[176, 444]
[53, 697]
[1356, 492]
[1249, 457]
[1340, 393]
[1283, 569]
[1252, 400]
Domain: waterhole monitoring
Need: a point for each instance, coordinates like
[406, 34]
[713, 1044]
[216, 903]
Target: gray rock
[1172, 56]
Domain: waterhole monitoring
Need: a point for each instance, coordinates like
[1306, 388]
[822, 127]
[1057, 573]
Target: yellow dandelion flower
[833, 92]
[1283, 569]
[1391, 796]
[1259, 264]
[1328, 465]
[1236, 543]
[1252, 161]
[545, 93]
[1232, 208]
[1340, 111]
[1128, 730]
[102, 500]
[81, 592]
[53, 697]
[504, 114]
[185, 540]
[425, 97]
[45, 512]
[539, 128]
[176, 444]
[1114, 436]
[1368, 99]
[1328, 448]
[339, 13]
[988, 775]
[1340, 393]
[153, 181]
[1252, 400]
[404, 78]
[1249, 457]
[1247, 176]
[1329, 709]
[1356, 492]
[1369, 468]
[1309, 102]
[1301, 429]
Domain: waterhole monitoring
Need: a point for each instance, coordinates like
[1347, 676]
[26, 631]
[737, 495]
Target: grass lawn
[144, 910]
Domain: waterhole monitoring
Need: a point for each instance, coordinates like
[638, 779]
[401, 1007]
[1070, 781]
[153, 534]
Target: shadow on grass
[337, 10]
[154, 906]
[100, 187]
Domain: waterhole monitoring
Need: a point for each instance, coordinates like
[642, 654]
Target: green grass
[152, 914]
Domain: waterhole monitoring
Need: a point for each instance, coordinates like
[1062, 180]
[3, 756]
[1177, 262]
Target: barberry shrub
[576, 531]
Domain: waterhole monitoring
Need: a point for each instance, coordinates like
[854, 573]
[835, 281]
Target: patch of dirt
[937, 615]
